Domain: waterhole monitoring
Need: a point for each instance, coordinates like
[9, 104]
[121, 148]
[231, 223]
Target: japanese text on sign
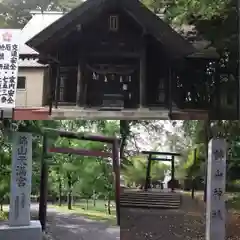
[21, 178]
[216, 179]
[9, 55]
[218, 154]
[21, 166]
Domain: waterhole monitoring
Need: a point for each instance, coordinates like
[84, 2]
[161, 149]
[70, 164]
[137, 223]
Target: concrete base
[33, 232]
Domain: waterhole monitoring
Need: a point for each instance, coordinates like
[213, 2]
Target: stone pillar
[20, 227]
[216, 179]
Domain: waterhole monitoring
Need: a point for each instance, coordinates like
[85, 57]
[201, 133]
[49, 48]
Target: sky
[147, 141]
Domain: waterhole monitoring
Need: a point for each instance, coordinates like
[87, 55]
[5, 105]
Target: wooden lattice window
[113, 23]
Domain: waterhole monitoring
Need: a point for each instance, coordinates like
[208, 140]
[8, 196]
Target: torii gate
[151, 158]
[84, 152]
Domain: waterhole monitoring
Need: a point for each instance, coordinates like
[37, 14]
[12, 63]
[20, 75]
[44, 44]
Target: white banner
[21, 178]
[216, 182]
[9, 56]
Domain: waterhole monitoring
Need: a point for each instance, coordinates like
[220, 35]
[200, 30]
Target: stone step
[150, 193]
[150, 203]
[150, 200]
[166, 198]
[145, 205]
[150, 196]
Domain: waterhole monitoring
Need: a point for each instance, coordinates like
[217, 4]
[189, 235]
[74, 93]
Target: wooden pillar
[57, 85]
[238, 73]
[170, 92]
[172, 173]
[79, 84]
[43, 186]
[51, 91]
[207, 131]
[142, 78]
[148, 178]
[238, 93]
[116, 169]
[83, 83]
[218, 93]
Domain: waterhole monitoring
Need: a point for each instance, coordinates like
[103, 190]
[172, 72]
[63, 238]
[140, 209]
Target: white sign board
[216, 181]
[21, 177]
[9, 55]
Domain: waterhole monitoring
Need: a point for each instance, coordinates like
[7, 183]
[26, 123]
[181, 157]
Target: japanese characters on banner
[216, 181]
[9, 55]
[19, 213]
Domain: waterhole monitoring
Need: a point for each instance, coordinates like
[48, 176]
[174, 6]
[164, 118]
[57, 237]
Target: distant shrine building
[119, 57]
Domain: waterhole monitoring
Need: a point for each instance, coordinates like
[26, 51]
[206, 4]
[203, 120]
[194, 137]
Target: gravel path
[64, 226]
[74, 227]
[185, 223]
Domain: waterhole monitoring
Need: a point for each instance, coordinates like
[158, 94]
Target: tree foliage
[135, 173]
[70, 176]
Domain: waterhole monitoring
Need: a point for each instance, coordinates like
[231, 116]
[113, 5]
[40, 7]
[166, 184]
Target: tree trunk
[193, 189]
[87, 204]
[109, 205]
[69, 192]
[1, 205]
[60, 192]
[94, 198]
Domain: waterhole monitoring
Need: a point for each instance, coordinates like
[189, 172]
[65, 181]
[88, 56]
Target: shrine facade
[114, 55]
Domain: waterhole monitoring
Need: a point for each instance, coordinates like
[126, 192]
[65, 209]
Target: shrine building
[117, 59]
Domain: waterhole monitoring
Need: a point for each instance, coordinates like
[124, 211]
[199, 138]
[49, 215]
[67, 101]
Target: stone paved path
[62, 226]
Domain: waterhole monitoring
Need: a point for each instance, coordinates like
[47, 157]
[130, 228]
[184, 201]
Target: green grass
[234, 202]
[3, 216]
[98, 213]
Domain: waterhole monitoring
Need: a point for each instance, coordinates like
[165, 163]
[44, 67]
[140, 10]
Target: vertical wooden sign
[216, 179]
[21, 177]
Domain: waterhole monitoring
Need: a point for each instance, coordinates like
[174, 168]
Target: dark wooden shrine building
[117, 54]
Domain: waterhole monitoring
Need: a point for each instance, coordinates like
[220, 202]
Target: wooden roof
[176, 45]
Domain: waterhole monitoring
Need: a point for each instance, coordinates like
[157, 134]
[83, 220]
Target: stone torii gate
[152, 156]
[84, 152]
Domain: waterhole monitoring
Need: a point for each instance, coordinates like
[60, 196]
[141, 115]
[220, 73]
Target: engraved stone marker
[216, 179]
[21, 177]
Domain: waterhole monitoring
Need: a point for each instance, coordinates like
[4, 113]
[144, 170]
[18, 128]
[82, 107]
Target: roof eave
[62, 23]
[205, 54]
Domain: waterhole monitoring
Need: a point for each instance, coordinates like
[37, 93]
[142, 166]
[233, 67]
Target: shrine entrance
[67, 85]
[112, 82]
[84, 152]
[153, 156]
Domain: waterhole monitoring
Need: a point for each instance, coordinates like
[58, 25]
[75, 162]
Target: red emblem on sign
[7, 37]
